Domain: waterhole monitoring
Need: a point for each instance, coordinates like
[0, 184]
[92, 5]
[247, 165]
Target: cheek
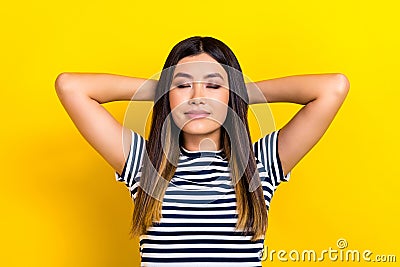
[223, 101]
[220, 109]
[220, 113]
[224, 96]
[171, 97]
[175, 101]
[227, 98]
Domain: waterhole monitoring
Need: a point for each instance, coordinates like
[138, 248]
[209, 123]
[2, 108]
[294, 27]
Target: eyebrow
[210, 75]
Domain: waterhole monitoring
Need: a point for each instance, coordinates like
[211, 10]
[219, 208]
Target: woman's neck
[200, 142]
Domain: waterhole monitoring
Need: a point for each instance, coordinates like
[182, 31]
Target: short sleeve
[133, 161]
[266, 151]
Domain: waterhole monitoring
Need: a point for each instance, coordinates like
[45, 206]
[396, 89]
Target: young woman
[201, 188]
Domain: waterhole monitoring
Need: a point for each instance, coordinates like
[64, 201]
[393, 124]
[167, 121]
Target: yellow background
[60, 203]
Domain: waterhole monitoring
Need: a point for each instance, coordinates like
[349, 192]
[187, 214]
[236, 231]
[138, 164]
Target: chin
[200, 128]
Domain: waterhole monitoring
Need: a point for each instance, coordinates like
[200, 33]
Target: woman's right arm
[82, 94]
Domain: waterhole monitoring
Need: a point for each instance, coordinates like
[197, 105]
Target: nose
[198, 93]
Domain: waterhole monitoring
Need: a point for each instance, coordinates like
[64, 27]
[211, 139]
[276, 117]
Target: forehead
[199, 57]
[199, 66]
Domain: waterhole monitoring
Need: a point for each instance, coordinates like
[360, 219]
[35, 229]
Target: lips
[197, 114]
[199, 111]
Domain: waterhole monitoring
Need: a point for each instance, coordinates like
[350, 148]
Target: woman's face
[199, 95]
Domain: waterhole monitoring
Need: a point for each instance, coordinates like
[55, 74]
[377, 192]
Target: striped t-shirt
[199, 207]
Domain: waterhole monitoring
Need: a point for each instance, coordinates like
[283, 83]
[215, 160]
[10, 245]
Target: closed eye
[213, 85]
[210, 85]
[183, 86]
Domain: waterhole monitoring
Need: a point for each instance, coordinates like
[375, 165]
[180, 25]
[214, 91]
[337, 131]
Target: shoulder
[266, 151]
[133, 159]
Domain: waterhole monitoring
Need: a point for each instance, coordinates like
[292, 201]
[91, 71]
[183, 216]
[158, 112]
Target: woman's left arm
[321, 94]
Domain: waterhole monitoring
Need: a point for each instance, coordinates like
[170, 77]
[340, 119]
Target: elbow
[61, 82]
[339, 86]
[342, 85]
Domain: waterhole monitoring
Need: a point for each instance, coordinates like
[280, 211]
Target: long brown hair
[162, 151]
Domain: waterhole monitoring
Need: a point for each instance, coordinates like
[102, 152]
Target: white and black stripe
[199, 208]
